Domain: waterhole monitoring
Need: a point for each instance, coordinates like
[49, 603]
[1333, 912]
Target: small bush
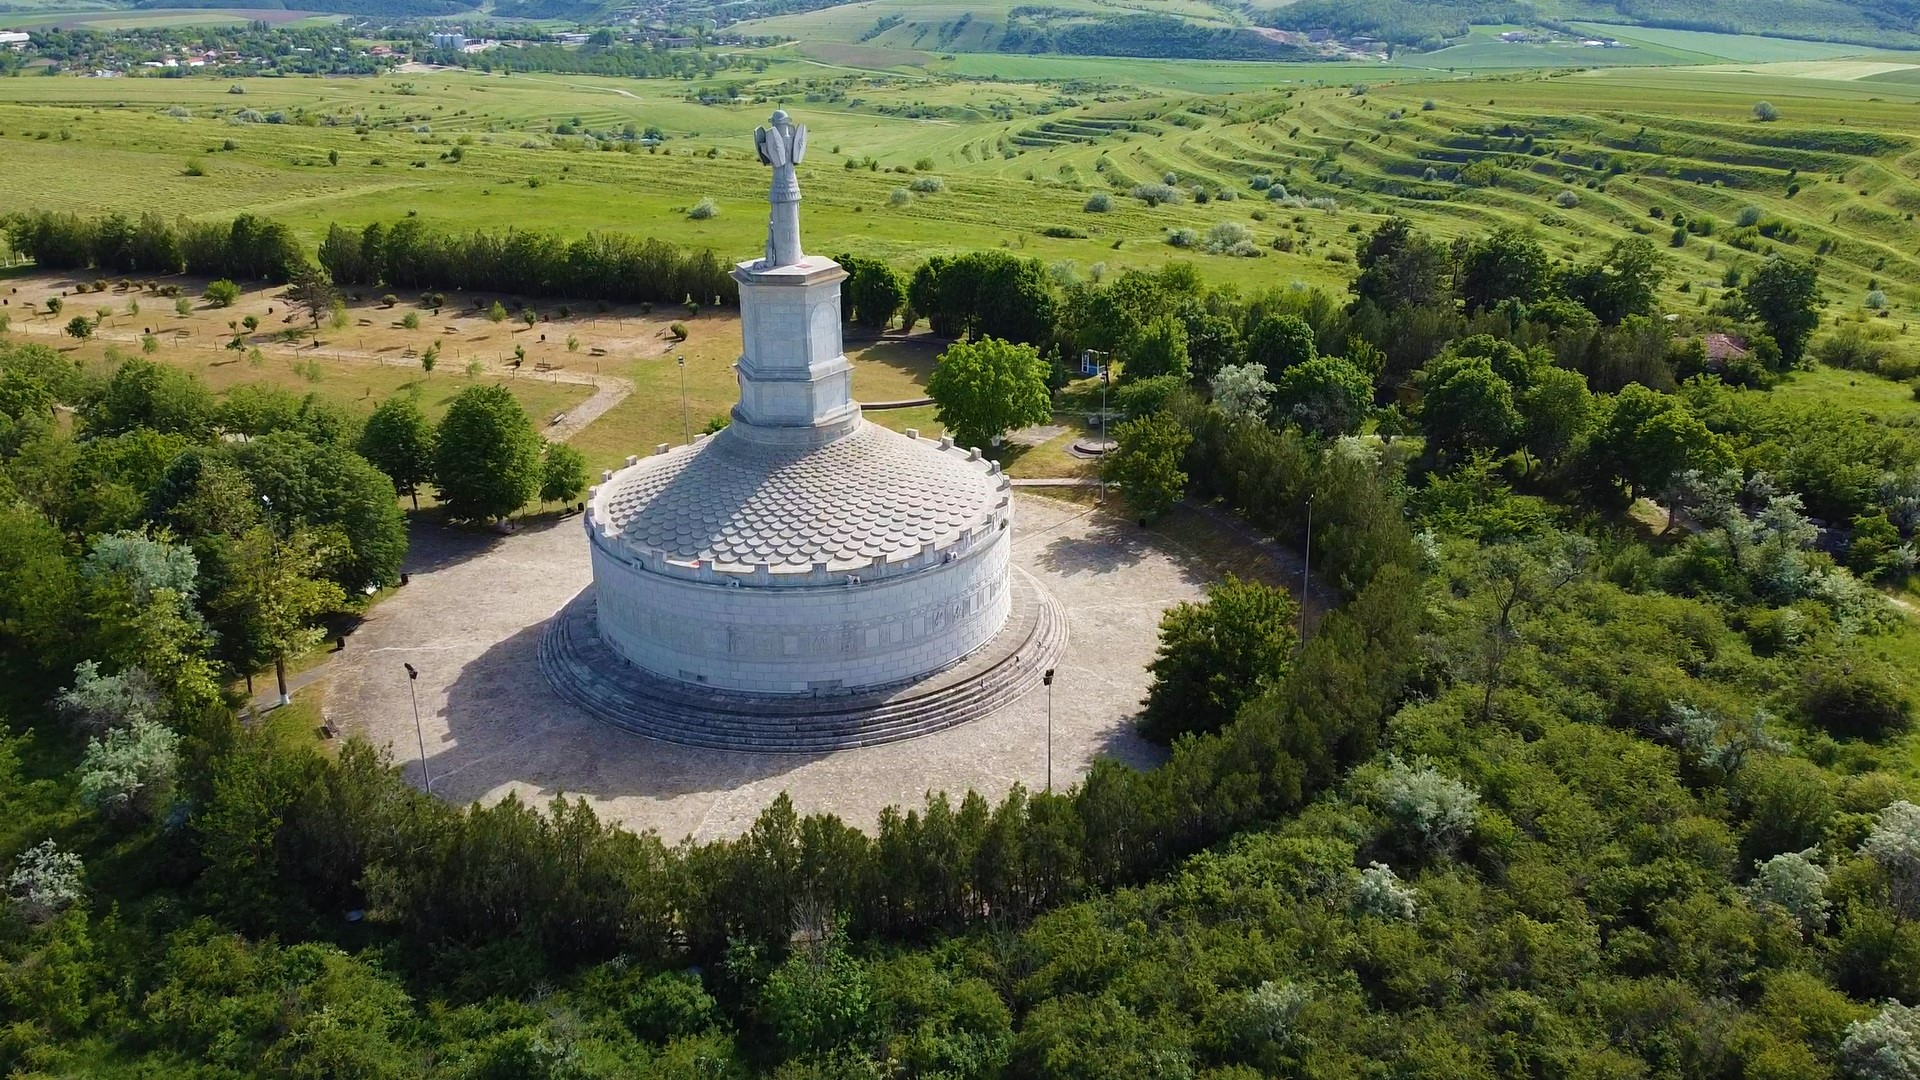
[1876, 300]
[1856, 702]
[1098, 203]
[927, 185]
[1062, 232]
[1261, 182]
[1566, 200]
[221, 293]
[1231, 238]
[1155, 194]
[704, 210]
[900, 197]
[1764, 111]
[678, 330]
[1427, 105]
[1184, 238]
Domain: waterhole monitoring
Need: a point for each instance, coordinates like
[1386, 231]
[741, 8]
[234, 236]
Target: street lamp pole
[273, 559]
[686, 426]
[418, 734]
[1047, 679]
[1306, 571]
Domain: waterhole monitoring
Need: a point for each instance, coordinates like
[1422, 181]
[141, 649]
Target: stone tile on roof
[874, 493]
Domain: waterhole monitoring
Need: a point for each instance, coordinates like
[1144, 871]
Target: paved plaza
[472, 618]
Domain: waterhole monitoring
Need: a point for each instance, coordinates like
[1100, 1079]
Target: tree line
[614, 267]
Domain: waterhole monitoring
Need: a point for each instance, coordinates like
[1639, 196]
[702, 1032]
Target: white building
[456, 42]
[14, 39]
[803, 550]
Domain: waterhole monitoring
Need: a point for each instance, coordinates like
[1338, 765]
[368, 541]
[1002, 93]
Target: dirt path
[608, 390]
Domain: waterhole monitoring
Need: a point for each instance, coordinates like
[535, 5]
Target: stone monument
[805, 579]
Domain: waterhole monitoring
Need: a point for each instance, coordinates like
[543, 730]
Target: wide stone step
[590, 675]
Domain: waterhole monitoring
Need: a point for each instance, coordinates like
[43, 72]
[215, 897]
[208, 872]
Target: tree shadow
[433, 544]
[1109, 544]
[507, 726]
[912, 356]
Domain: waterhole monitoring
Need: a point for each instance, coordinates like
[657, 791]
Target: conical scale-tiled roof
[737, 504]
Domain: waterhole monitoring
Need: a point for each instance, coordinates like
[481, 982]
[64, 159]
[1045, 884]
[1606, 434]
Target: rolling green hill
[1686, 31]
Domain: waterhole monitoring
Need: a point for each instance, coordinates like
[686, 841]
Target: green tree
[1506, 264]
[821, 1000]
[1620, 283]
[872, 294]
[277, 589]
[1783, 295]
[1217, 655]
[486, 457]
[1399, 268]
[1280, 341]
[331, 490]
[1466, 406]
[983, 389]
[313, 290]
[1554, 412]
[1146, 462]
[143, 394]
[1325, 395]
[563, 473]
[1159, 348]
[1644, 438]
[398, 440]
[221, 293]
[80, 327]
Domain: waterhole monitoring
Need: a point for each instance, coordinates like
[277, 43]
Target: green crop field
[1020, 145]
[1017, 160]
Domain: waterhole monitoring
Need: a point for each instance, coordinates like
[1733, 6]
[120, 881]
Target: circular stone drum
[752, 566]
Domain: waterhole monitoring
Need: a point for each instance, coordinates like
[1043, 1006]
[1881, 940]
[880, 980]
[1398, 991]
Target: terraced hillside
[1585, 160]
[903, 166]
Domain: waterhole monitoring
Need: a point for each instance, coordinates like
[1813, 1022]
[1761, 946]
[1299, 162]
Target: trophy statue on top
[782, 146]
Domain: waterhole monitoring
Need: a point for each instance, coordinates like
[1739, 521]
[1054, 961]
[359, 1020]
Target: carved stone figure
[782, 146]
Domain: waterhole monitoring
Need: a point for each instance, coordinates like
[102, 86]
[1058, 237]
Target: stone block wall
[805, 640]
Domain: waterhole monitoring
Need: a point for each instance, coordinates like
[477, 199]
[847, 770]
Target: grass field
[1022, 142]
[157, 18]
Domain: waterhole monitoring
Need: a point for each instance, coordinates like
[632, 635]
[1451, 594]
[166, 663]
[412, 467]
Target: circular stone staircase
[588, 674]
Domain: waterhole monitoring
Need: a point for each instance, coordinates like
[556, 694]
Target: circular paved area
[472, 619]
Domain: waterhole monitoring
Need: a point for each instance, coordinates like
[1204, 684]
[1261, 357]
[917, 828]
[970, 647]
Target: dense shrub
[1856, 701]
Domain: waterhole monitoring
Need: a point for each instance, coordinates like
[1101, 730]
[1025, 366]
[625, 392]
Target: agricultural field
[901, 166]
[157, 18]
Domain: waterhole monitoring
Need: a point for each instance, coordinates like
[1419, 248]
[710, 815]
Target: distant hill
[394, 9]
[1244, 29]
[1428, 23]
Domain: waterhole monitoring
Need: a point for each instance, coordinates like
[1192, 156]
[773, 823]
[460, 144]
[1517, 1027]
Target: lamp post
[273, 560]
[426, 776]
[1047, 680]
[686, 426]
[1306, 571]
